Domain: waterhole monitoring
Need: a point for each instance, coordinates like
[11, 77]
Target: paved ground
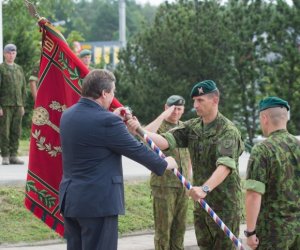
[16, 175]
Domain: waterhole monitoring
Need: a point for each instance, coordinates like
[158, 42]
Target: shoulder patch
[227, 143]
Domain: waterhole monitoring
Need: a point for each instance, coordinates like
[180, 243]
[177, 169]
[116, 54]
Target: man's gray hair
[96, 81]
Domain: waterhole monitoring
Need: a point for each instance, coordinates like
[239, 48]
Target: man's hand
[167, 112]
[253, 241]
[123, 113]
[133, 124]
[197, 193]
[1, 112]
[171, 163]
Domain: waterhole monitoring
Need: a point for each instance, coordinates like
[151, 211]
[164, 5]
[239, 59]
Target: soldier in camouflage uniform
[33, 80]
[214, 145]
[12, 101]
[85, 56]
[273, 183]
[170, 202]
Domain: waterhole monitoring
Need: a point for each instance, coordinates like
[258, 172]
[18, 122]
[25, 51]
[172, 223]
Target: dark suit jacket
[93, 141]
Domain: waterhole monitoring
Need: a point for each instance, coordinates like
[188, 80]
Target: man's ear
[103, 94]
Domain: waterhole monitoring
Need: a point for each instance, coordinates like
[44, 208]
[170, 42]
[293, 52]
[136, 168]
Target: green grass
[17, 223]
[24, 147]
[20, 225]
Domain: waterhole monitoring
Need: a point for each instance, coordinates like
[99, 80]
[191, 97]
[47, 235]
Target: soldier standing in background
[273, 182]
[170, 202]
[85, 56]
[12, 102]
[33, 81]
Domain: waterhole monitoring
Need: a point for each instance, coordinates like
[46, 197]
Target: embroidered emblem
[53, 151]
[47, 199]
[57, 106]
[200, 90]
[40, 117]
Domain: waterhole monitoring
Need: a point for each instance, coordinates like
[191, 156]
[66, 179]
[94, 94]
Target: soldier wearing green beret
[273, 182]
[214, 145]
[12, 102]
[85, 56]
[170, 202]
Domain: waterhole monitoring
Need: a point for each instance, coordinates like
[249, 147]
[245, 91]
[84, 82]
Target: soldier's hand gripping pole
[188, 185]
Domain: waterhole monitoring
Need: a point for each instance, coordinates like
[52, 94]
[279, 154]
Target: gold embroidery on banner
[42, 146]
[57, 106]
[48, 44]
[40, 117]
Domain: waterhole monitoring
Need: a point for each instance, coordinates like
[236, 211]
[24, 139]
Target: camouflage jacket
[12, 85]
[181, 156]
[218, 143]
[274, 171]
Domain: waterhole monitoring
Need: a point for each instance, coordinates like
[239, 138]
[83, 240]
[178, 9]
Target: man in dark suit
[93, 140]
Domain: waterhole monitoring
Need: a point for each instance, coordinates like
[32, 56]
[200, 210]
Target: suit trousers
[99, 233]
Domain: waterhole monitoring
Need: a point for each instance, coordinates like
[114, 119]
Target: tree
[168, 57]
[283, 72]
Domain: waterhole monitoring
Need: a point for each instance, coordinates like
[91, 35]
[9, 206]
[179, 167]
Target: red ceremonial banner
[60, 78]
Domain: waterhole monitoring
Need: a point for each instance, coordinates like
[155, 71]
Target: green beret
[273, 102]
[203, 88]
[85, 52]
[176, 100]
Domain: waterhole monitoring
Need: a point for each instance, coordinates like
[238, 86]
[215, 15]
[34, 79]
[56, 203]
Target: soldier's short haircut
[277, 115]
[214, 93]
[97, 81]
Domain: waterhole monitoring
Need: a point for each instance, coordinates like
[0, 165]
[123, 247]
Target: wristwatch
[248, 234]
[205, 189]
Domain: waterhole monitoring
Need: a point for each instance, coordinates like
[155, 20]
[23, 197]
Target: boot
[15, 160]
[5, 160]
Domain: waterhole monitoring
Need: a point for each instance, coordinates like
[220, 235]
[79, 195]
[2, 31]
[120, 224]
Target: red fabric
[61, 74]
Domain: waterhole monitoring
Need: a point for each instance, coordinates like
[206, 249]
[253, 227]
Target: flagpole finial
[31, 9]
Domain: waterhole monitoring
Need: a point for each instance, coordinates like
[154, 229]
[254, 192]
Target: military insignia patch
[200, 90]
[227, 143]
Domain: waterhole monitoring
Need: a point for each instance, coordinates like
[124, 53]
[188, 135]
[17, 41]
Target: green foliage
[95, 20]
[250, 48]
[18, 224]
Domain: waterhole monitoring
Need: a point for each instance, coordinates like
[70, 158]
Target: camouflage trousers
[170, 205]
[290, 242]
[10, 130]
[209, 235]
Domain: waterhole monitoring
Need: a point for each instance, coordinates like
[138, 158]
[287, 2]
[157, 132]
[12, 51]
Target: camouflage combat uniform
[211, 145]
[170, 202]
[12, 99]
[274, 171]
